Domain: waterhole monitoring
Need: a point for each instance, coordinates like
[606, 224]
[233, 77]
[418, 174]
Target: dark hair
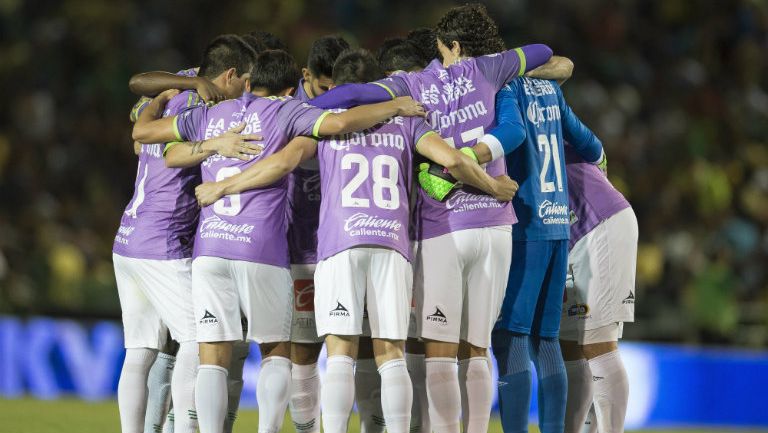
[403, 57]
[269, 40]
[471, 26]
[224, 52]
[323, 54]
[254, 42]
[275, 70]
[424, 40]
[387, 45]
[356, 66]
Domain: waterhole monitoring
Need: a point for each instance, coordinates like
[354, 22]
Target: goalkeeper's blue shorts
[534, 298]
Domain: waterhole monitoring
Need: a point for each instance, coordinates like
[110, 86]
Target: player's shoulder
[185, 100]
[190, 72]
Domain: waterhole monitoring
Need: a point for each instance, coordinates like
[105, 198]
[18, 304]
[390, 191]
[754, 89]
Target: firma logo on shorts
[629, 299]
[437, 317]
[339, 311]
[208, 318]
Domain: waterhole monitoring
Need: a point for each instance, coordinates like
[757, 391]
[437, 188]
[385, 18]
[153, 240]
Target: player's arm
[263, 173]
[581, 138]
[153, 83]
[231, 144]
[366, 116]
[503, 67]
[354, 94]
[464, 168]
[557, 68]
[509, 132]
[151, 127]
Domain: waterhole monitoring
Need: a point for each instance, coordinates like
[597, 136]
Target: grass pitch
[75, 416]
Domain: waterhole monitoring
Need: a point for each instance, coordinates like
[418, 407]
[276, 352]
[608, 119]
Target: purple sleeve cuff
[535, 56]
[351, 95]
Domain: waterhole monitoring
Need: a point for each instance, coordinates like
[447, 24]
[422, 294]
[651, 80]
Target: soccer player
[241, 250]
[533, 121]
[600, 296]
[466, 240]
[304, 201]
[364, 247]
[152, 251]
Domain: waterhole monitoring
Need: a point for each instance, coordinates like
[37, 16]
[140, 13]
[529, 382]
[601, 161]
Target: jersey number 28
[384, 184]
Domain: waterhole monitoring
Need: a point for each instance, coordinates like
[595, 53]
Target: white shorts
[224, 288]
[303, 329]
[344, 283]
[603, 334]
[460, 282]
[600, 286]
[155, 297]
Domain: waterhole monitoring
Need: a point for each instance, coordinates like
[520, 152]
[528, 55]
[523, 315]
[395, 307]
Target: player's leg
[486, 277]
[266, 296]
[368, 385]
[304, 402]
[439, 288]
[414, 357]
[389, 307]
[610, 382]
[544, 346]
[217, 311]
[159, 387]
[240, 351]
[144, 336]
[510, 338]
[340, 283]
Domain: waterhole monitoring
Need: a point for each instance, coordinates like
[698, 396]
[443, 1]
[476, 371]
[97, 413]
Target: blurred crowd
[676, 89]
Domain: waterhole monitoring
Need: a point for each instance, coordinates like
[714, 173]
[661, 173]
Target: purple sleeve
[501, 68]
[351, 95]
[420, 129]
[300, 118]
[191, 72]
[188, 124]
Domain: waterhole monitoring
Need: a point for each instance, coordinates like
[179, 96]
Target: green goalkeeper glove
[435, 179]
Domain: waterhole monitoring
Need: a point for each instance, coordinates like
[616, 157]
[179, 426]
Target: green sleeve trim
[422, 136]
[168, 147]
[469, 152]
[391, 93]
[318, 122]
[521, 56]
[176, 128]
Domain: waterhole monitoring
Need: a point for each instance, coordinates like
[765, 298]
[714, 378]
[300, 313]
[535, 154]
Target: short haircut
[404, 57]
[269, 40]
[471, 26]
[323, 54]
[424, 39]
[224, 52]
[387, 45]
[356, 66]
[254, 42]
[275, 71]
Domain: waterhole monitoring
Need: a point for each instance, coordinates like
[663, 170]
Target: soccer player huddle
[367, 202]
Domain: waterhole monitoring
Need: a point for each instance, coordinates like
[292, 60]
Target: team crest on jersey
[438, 317]
[339, 311]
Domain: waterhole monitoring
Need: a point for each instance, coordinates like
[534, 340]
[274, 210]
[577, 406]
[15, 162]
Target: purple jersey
[461, 104]
[142, 103]
[366, 182]
[251, 225]
[304, 201]
[159, 221]
[591, 196]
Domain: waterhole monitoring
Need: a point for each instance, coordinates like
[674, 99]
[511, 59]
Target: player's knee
[305, 353]
[219, 353]
[388, 350]
[571, 350]
[440, 349]
[468, 350]
[341, 345]
[596, 349]
[282, 348]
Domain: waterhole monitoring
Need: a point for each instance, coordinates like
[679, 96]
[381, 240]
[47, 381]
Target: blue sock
[553, 383]
[511, 352]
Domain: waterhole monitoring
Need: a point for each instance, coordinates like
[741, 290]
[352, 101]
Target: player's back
[366, 181]
[538, 164]
[158, 222]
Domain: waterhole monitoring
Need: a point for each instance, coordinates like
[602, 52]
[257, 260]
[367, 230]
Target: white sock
[240, 350]
[444, 394]
[477, 393]
[169, 424]
[611, 391]
[396, 395]
[590, 424]
[210, 398]
[368, 396]
[183, 388]
[132, 388]
[272, 392]
[158, 392]
[420, 410]
[579, 394]
[338, 393]
[305, 398]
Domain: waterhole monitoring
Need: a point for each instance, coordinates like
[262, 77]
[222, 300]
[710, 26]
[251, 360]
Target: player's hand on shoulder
[167, 95]
[208, 193]
[233, 144]
[505, 188]
[409, 107]
[208, 91]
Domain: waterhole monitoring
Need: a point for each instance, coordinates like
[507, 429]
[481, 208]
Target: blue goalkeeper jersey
[532, 121]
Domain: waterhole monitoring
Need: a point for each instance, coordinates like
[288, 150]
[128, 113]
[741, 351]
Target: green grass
[74, 416]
